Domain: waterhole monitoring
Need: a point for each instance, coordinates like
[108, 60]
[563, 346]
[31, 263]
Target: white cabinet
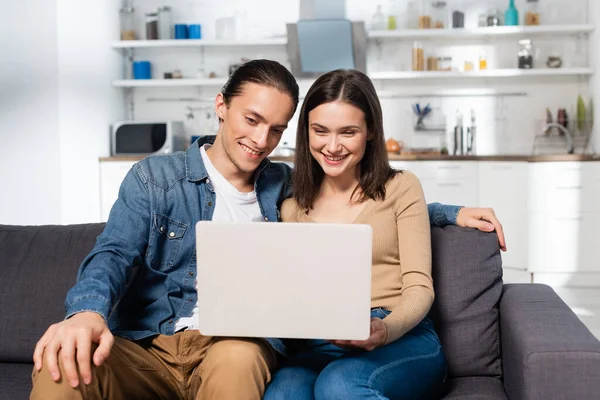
[564, 244]
[448, 182]
[564, 215]
[503, 187]
[112, 174]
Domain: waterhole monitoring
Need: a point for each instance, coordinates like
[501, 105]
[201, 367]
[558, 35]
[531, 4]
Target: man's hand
[483, 219]
[74, 338]
[377, 338]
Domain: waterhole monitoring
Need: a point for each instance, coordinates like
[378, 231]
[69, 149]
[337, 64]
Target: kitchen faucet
[568, 135]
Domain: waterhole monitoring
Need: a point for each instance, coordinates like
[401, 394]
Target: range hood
[324, 40]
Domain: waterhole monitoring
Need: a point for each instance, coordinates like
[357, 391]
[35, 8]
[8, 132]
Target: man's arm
[105, 272]
[483, 219]
[101, 281]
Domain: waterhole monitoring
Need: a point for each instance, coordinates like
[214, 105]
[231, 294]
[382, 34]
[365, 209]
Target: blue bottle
[511, 16]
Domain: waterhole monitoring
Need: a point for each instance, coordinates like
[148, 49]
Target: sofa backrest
[38, 265]
[467, 278]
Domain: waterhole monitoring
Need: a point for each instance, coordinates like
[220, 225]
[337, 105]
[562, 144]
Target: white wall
[29, 146]
[87, 102]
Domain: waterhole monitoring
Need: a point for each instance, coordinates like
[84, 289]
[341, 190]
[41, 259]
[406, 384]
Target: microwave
[141, 138]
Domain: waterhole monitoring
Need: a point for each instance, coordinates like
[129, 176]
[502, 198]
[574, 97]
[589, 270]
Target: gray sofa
[501, 341]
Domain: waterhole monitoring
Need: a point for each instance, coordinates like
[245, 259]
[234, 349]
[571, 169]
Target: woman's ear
[220, 107]
[370, 136]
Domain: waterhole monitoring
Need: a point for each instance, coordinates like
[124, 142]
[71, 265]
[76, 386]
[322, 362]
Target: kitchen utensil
[549, 121]
[554, 61]
[392, 146]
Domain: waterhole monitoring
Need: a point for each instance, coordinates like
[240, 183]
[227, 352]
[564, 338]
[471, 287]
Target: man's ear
[220, 106]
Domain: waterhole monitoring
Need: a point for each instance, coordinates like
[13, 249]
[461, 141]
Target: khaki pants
[186, 365]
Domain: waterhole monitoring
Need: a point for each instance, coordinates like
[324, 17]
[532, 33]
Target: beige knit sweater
[401, 273]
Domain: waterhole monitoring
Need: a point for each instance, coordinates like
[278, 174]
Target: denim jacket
[140, 274]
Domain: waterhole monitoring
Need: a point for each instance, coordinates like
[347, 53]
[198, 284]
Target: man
[137, 283]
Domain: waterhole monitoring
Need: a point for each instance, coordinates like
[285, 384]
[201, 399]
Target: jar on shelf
[151, 26]
[494, 17]
[439, 14]
[444, 63]
[526, 54]
[165, 23]
[482, 20]
[418, 57]
[424, 15]
[432, 63]
[127, 17]
[532, 12]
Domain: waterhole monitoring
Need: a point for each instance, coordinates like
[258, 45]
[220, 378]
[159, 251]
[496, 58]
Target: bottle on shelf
[418, 57]
[482, 61]
[378, 21]
[511, 16]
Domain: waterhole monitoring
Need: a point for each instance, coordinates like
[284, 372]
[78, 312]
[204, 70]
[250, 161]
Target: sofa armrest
[547, 352]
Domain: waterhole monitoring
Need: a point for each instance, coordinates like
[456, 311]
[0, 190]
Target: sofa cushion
[38, 265]
[467, 278]
[15, 381]
[477, 388]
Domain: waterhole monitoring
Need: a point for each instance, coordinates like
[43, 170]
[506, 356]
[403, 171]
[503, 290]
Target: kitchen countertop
[437, 157]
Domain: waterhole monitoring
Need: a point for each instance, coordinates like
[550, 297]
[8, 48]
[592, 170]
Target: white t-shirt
[230, 205]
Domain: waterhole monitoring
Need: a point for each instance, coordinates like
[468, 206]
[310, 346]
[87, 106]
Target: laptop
[284, 280]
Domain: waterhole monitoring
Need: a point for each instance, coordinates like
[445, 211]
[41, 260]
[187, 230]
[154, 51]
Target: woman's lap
[413, 367]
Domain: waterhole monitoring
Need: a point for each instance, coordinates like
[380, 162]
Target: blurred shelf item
[491, 73]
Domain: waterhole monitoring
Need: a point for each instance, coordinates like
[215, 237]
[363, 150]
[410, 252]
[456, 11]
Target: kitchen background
[65, 78]
[59, 94]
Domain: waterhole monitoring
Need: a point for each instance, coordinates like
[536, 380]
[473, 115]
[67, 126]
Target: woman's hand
[377, 338]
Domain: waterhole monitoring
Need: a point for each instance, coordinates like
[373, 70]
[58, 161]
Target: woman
[342, 175]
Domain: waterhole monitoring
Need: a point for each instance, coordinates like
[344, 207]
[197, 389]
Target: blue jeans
[412, 367]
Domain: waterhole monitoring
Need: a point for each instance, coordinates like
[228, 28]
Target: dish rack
[554, 140]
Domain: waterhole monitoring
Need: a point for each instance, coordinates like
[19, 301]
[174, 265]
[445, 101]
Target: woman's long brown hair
[355, 88]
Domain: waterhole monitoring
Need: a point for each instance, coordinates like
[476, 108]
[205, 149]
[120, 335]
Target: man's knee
[240, 356]
[44, 387]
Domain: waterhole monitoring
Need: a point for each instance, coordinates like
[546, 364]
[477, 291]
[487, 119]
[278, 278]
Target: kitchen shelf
[491, 73]
[166, 83]
[452, 33]
[139, 44]
[399, 75]
[484, 32]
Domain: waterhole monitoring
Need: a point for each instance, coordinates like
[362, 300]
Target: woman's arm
[414, 245]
